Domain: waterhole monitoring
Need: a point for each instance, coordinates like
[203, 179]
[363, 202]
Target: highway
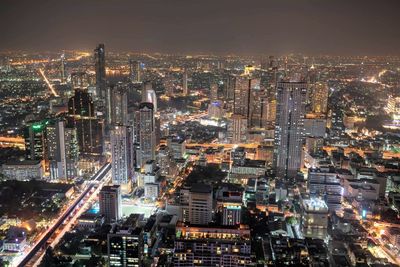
[41, 243]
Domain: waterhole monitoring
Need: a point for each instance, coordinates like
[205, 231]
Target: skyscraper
[100, 68]
[110, 203]
[35, 141]
[185, 83]
[319, 98]
[62, 69]
[135, 71]
[81, 115]
[149, 95]
[237, 129]
[147, 136]
[117, 105]
[62, 150]
[289, 127]
[122, 154]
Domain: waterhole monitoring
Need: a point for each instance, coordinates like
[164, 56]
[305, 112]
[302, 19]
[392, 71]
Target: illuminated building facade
[212, 246]
[289, 127]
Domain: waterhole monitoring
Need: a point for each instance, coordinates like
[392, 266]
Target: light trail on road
[53, 91]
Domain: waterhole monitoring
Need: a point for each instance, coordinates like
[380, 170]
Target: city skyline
[233, 134]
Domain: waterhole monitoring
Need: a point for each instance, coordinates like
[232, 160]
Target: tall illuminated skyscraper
[122, 154]
[319, 98]
[62, 69]
[62, 150]
[147, 134]
[35, 140]
[117, 105]
[289, 127]
[90, 130]
[149, 95]
[100, 68]
[185, 83]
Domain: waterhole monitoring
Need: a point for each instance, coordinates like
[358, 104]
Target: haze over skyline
[175, 26]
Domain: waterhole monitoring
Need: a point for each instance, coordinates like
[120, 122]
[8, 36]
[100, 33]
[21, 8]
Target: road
[30, 257]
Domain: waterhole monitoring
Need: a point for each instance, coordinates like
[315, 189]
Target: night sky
[343, 27]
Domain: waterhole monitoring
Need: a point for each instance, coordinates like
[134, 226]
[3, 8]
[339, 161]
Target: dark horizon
[310, 27]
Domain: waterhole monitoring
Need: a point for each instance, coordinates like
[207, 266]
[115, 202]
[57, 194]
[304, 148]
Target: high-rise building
[122, 154]
[124, 247]
[147, 135]
[149, 95]
[324, 183]
[62, 69]
[229, 91]
[35, 140]
[100, 68]
[237, 129]
[200, 204]
[81, 115]
[185, 90]
[62, 150]
[117, 105]
[247, 96]
[319, 98]
[135, 71]
[110, 203]
[289, 127]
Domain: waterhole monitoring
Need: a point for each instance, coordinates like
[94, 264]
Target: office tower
[81, 115]
[124, 247]
[62, 147]
[149, 95]
[200, 204]
[62, 69]
[229, 88]
[289, 128]
[35, 141]
[324, 183]
[185, 90]
[244, 87]
[135, 71]
[147, 136]
[212, 246]
[100, 68]
[314, 219]
[110, 203]
[258, 107]
[117, 105]
[237, 129]
[122, 154]
[214, 92]
[319, 98]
